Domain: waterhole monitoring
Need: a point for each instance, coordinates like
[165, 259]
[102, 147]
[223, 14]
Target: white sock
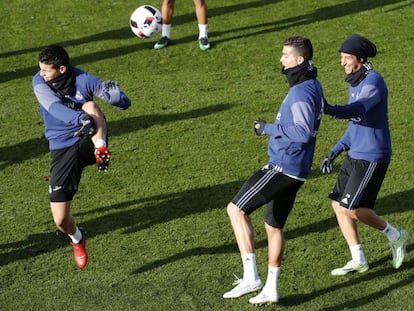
[77, 236]
[166, 30]
[100, 143]
[391, 233]
[272, 277]
[202, 31]
[249, 267]
[358, 254]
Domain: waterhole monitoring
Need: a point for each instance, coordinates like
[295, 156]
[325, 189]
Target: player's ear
[300, 59]
[62, 69]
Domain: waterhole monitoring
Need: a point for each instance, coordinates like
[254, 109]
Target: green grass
[159, 236]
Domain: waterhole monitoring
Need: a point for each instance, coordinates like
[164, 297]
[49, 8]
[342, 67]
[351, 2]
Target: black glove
[327, 163]
[259, 126]
[88, 127]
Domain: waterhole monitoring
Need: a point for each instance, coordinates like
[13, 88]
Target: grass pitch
[158, 233]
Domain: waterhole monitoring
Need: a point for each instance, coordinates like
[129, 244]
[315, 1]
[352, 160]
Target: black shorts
[358, 183]
[267, 186]
[66, 166]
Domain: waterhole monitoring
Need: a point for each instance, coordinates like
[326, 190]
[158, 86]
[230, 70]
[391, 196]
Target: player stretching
[76, 130]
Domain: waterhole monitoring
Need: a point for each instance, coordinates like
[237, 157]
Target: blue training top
[368, 135]
[293, 135]
[61, 116]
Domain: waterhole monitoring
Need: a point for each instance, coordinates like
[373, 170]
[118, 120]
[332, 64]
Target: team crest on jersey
[78, 95]
[278, 116]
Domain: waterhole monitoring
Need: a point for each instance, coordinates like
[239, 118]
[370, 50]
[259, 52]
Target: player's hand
[112, 92]
[87, 129]
[327, 109]
[114, 96]
[259, 126]
[102, 156]
[327, 163]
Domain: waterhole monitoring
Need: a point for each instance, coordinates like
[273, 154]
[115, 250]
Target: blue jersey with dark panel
[293, 135]
[62, 116]
[368, 135]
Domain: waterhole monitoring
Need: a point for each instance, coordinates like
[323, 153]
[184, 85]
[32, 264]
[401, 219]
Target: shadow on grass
[354, 279]
[23, 151]
[132, 216]
[321, 14]
[116, 34]
[135, 215]
[320, 226]
[125, 32]
[37, 146]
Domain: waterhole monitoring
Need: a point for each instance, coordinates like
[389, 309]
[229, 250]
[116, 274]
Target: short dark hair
[302, 45]
[54, 55]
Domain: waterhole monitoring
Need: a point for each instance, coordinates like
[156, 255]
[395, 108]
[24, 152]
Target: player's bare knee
[232, 209]
[60, 221]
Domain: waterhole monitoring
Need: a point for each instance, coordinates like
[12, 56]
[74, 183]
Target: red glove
[102, 156]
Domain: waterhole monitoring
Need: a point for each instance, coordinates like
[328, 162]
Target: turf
[158, 234]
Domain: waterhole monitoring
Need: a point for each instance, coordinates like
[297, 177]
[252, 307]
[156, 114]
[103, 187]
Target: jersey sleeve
[343, 144]
[53, 104]
[300, 129]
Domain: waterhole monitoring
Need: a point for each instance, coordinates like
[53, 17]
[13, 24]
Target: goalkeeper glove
[102, 155]
[87, 128]
[114, 96]
[327, 163]
[259, 126]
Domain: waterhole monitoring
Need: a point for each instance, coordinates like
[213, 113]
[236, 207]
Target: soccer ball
[146, 21]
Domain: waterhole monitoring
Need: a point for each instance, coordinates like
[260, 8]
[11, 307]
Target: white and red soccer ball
[146, 21]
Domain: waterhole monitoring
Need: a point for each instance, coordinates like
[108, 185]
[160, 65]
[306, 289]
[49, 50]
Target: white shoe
[204, 44]
[398, 249]
[264, 299]
[243, 288]
[351, 266]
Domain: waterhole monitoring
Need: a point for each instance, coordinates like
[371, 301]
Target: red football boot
[79, 251]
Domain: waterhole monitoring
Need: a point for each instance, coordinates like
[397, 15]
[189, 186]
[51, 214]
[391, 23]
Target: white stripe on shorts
[255, 189]
[364, 182]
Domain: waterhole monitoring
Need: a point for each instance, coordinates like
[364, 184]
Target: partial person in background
[167, 12]
[292, 139]
[367, 141]
[76, 130]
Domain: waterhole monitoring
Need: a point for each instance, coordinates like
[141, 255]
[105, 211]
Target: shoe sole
[249, 292]
[261, 304]
[345, 272]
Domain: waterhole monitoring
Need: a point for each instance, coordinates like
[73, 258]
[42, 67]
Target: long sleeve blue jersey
[60, 117]
[368, 135]
[293, 135]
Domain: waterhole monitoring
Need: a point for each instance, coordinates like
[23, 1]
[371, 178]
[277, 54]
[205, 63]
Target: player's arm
[99, 139]
[110, 92]
[54, 105]
[367, 99]
[342, 145]
[301, 128]
[355, 110]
